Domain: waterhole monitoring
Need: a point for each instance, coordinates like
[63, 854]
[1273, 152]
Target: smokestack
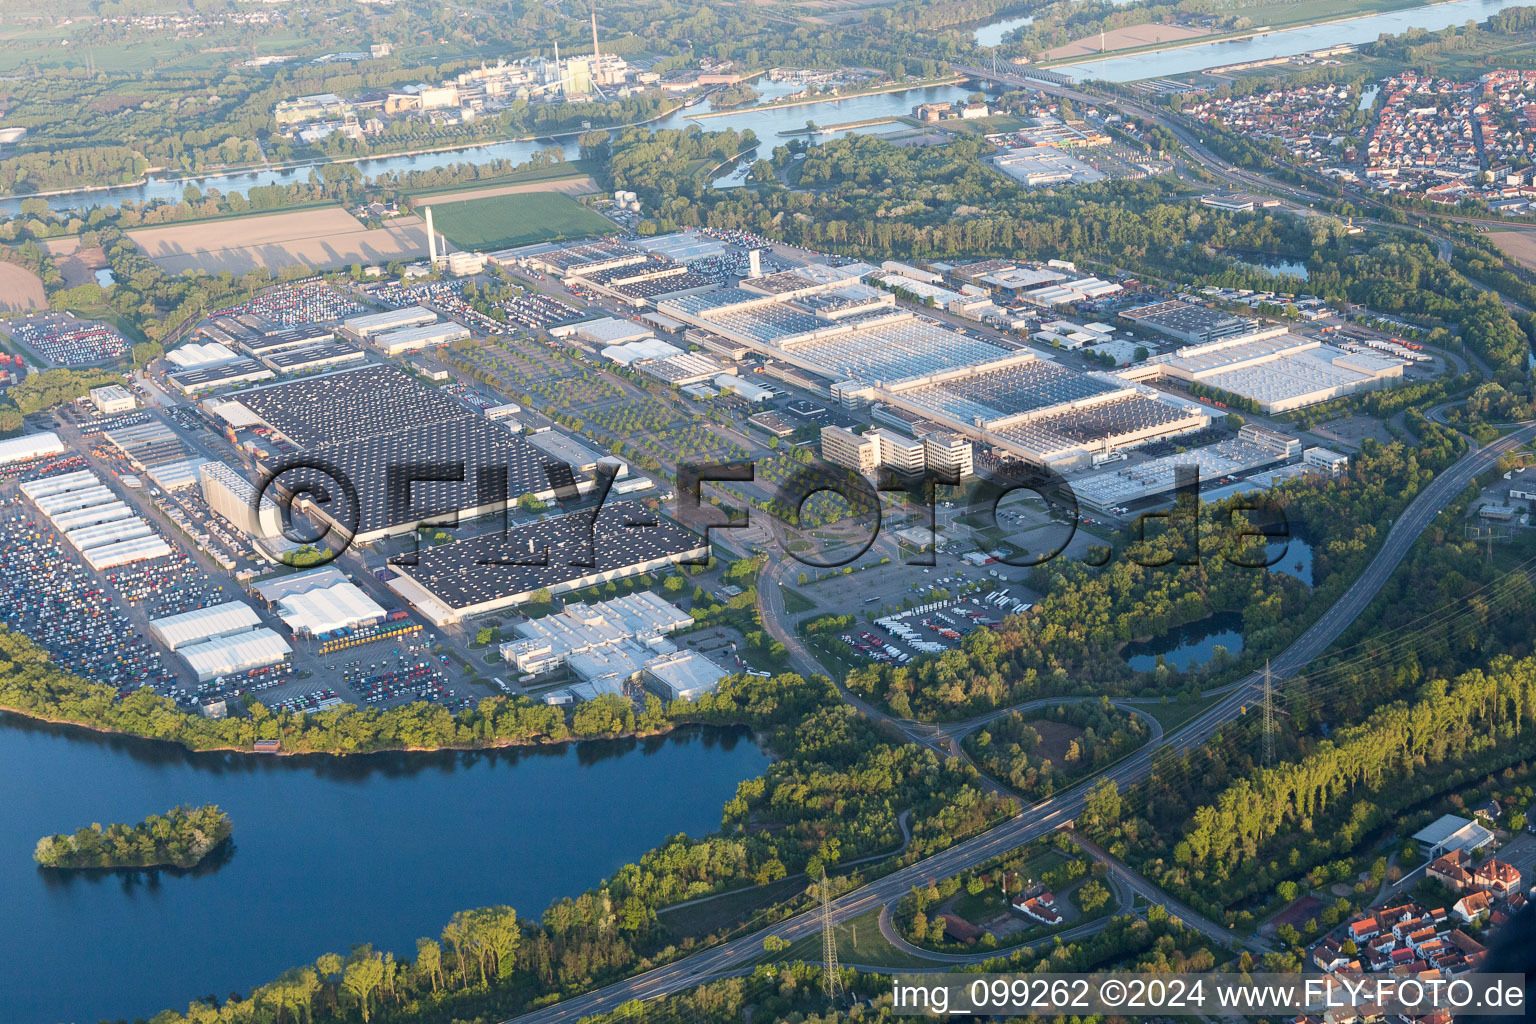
[754, 262]
[594, 37]
[431, 239]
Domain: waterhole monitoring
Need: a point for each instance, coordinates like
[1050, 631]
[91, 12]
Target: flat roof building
[685, 675]
[1280, 371]
[1448, 832]
[233, 498]
[1188, 322]
[365, 327]
[412, 339]
[899, 453]
[113, 399]
[452, 582]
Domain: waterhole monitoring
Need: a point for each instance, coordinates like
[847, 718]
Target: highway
[1048, 815]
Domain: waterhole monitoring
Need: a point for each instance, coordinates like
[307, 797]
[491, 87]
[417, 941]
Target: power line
[832, 979]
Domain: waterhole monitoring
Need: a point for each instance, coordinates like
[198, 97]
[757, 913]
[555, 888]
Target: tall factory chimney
[594, 38]
[431, 239]
[754, 262]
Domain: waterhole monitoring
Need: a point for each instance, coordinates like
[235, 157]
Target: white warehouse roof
[179, 475]
[645, 348]
[30, 446]
[75, 481]
[611, 331]
[427, 335]
[328, 609]
[52, 504]
[193, 355]
[109, 555]
[685, 675]
[225, 655]
[67, 521]
[95, 536]
[370, 324]
[199, 624]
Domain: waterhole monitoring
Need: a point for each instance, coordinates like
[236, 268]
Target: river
[327, 852]
[991, 33]
[765, 123]
[1284, 43]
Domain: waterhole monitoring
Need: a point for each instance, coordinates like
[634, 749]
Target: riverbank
[1387, 7]
[506, 743]
[225, 170]
[848, 126]
[810, 101]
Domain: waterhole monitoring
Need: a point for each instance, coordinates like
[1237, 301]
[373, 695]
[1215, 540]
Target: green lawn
[796, 603]
[858, 942]
[521, 176]
[499, 222]
[1177, 710]
[700, 919]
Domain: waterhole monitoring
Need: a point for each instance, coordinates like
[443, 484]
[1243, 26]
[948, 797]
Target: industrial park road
[1049, 815]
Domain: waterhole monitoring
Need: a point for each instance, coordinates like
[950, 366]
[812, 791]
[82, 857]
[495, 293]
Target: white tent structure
[30, 446]
[200, 624]
[226, 655]
[328, 609]
[109, 556]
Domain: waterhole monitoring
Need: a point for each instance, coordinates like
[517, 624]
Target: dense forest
[1430, 694]
[180, 838]
[1010, 748]
[1277, 824]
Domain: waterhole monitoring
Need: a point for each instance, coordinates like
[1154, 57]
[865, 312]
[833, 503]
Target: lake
[1189, 646]
[765, 123]
[1293, 558]
[1284, 43]
[1272, 264]
[327, 852]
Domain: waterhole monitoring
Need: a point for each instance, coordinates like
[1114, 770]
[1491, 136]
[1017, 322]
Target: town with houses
[1406, 937]
[1425, 137]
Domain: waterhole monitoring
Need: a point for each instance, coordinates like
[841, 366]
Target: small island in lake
[180, 838]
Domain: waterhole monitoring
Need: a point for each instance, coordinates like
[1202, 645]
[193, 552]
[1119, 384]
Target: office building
[842, 447]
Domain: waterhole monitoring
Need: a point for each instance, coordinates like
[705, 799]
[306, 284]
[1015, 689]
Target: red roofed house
[1365, 929]
[1497, 877]
[1451, 869]
[1473, 905]
[1042, 908]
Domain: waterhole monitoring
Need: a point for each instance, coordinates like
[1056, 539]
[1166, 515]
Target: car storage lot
[930, 628]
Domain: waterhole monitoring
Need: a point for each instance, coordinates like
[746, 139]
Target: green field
[500, 222]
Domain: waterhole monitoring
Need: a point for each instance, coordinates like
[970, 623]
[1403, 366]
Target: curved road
[1049, 815]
